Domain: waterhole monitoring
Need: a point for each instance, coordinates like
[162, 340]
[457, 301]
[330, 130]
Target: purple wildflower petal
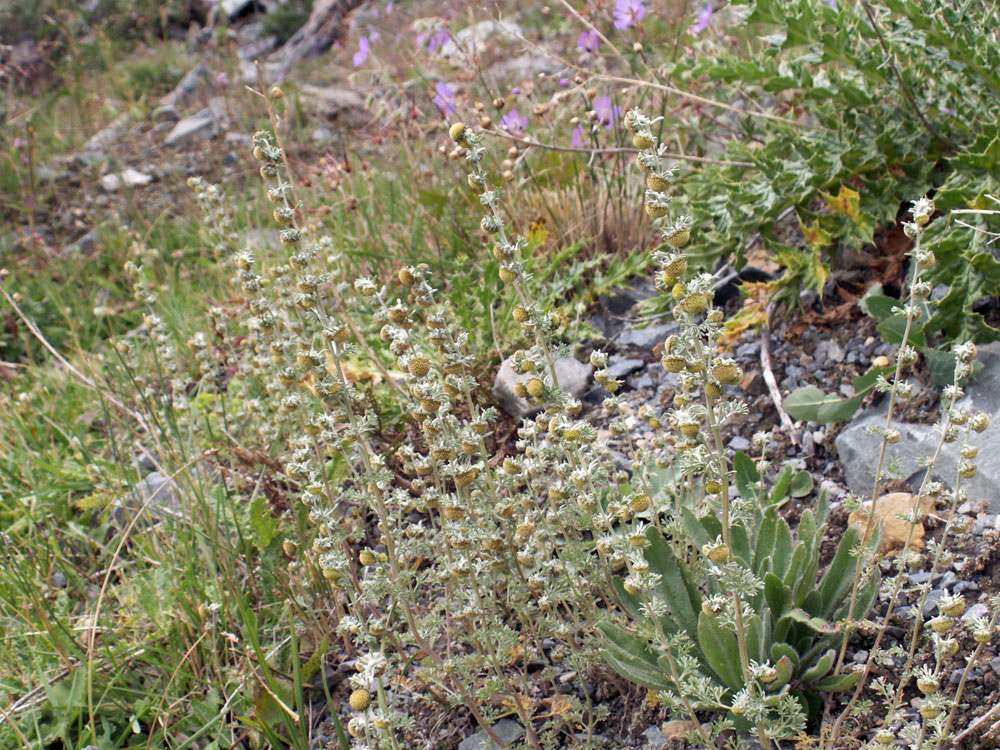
[514, 122]
[362, 54]
[445, 99]
[588, 41]
[607, 112]
[578, 136]
[628, 13]
[702, 19]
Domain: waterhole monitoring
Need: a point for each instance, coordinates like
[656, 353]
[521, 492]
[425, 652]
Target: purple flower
[832, 4]
[432, 41]
[222, 78]
[702, 19]
[588, 41]
[516, 91]
[514, 122]
[20, 143]
[445, 99]
[362, 54]
[564, 83]
[628, 13]
[578, 136]
[607, 113]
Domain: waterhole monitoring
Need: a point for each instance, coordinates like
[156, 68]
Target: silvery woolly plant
[931, 643]
[707, 573]
[430, 550]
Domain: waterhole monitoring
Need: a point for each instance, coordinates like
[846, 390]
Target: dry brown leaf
[678, 729]
[895, 529]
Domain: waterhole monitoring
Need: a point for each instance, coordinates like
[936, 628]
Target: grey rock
[59, 579]
[984, 524]
[157, 496]
[524, 66]
[995, 665]
[85, 244]
[49, 173]
[322, 135]
[647, 338]
[262, 240]
[506, 729]
[655, 738]
[933, 597]
[638, 382]
[332, 101]
[976, 611]
[748, 352]
[201, 127]
[189, 85]
[573, 376]
[130, 178]
[606, 326]
[472, 40]
[619, 367]
[95, 150]
[739, 443]
[832, 489]
[253, 42]
[963, 587]
[166, 113]
[828, 350]
[242, 141]
[859, 450]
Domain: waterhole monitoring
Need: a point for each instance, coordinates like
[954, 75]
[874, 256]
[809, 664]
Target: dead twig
[772, 384]
[978, 723]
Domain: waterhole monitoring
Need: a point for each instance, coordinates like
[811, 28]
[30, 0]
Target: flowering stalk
[921, 212]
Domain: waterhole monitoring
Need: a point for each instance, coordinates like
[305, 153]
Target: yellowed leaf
[895, 530]
[847, 202]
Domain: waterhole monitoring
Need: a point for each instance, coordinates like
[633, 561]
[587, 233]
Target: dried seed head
[360, 700]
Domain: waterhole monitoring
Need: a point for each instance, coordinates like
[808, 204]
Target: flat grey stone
[189, 85]
[166, 113]
[739, 443]
[130, 178]
[95, 150]
[655, 738]
[647, 338]
[573, 376]
[995, 665]
[619, 367]
[332, 101]
[859, 450]
[506, 729]
[638, 382]
[976, 611]
[200, 127]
